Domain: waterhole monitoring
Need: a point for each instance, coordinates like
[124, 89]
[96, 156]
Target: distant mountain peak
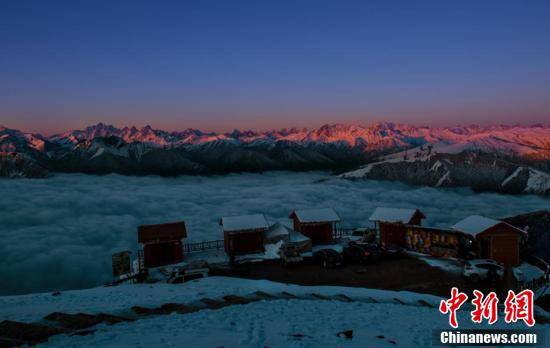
[380, 136]
[390, 150]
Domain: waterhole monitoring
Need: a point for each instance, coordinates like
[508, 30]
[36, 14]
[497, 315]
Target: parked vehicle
[359, 232]
[482, 269]
[328, 258]
[540, 263]
[362, 252]
[391, 250]
[194, 270]
[290, 254]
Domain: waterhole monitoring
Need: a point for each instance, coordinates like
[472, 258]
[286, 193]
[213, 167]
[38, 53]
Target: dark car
[328, 258]
[290, 254]
[391, 251]
[362, 252]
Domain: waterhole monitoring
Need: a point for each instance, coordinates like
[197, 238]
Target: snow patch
[317, 215]
[244, 222]
[475, 224]
[537, 182]
[443, 179]
[436, 166]
[514, 174]
[392, 214]
[98, 153]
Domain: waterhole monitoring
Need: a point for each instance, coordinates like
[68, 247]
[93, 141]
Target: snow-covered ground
[115, 299]
[538, 181]
[274, 323]
[60, 233]
[450, 265]
[282, 323]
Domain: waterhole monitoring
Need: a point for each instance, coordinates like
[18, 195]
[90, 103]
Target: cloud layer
[59, 233]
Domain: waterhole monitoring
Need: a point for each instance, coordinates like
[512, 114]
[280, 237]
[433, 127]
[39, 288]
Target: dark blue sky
[262, 64]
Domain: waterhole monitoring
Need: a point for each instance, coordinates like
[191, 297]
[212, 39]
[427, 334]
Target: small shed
[162, 243]
[318, 225]
[497, 239]
[390, 223]
[278, 232]
[244, 234]
[304, 243]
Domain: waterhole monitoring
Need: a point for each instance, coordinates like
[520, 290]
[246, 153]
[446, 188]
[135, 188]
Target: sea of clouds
[59, 233]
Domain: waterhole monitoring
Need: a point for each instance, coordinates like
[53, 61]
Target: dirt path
[404, 273]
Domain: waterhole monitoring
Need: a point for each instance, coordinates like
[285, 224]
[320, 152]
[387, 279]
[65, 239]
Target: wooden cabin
[497, 240]
[390, 224]
[318, 225]
[162, 243]
[244, 234]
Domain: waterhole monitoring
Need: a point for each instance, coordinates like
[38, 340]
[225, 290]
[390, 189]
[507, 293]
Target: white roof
[277, 229]
[297, 237]
[392, 214]
[244, 222]
[317, 215]
[475, 224]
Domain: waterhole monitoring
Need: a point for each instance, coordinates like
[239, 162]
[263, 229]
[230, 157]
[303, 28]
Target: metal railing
[141, 262]
[218, 244]
[344, 232]
[202, 246]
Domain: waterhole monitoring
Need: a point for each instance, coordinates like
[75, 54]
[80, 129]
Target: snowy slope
[33, 307]
[283, 323]
[448, 166]
[307, 322]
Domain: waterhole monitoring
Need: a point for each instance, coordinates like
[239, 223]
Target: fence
[202, 246]
[218, 244]
[344, 232]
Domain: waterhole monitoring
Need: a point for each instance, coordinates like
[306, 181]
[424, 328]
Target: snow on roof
[244, 222]
[296, 236]
[277, 229]
[393, 214]
[316, 215]
[475, 224]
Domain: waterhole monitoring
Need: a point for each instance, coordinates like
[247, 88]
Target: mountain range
[391, 151]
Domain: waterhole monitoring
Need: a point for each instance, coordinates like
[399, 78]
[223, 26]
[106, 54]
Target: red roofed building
[244, 234]
[318, 225]
[390, 223]
[162, 243]
[497, 239]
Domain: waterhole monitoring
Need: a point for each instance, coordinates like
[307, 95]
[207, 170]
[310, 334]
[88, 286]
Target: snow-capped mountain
[481, 171]
[104, 148]
[534, 140]
[12, 140]
[17, 165]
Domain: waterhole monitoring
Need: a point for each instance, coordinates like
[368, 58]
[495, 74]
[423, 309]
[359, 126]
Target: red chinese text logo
[519, 307]
[516, 307]
[485, 308]
[452, 305]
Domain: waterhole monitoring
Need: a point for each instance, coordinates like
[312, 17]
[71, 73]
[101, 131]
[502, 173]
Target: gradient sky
[219, 65]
